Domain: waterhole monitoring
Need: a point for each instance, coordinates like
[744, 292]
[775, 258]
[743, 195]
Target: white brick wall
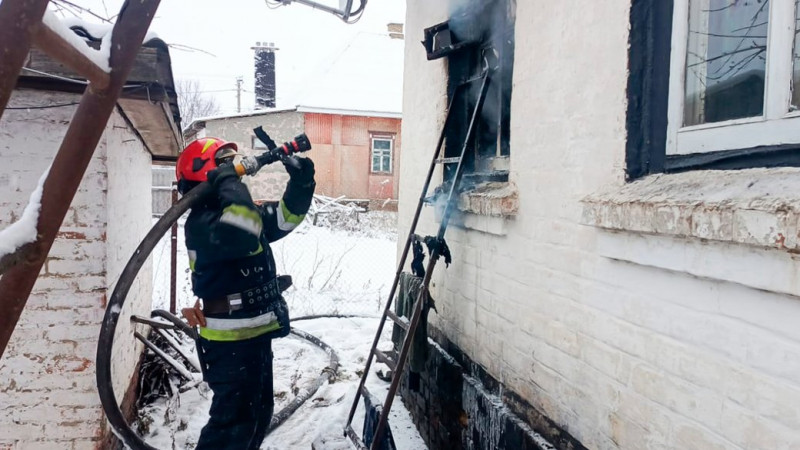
[623, 349]
[48, 397]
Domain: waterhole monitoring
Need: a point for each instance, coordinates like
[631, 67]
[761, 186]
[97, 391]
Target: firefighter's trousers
[239, 374]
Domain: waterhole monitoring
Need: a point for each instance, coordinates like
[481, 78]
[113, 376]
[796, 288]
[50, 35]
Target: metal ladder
[411, 326]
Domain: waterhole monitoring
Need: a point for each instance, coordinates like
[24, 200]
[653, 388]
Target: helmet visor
[224, 155]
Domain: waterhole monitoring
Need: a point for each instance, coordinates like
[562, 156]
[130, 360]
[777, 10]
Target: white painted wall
[48, 397]
[611, 335]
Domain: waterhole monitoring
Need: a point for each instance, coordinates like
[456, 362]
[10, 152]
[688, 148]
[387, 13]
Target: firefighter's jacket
[227, 238]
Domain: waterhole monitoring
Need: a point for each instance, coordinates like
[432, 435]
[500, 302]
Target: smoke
[489, 25]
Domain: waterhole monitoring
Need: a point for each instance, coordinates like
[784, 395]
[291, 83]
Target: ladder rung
[451, 160]
[351, 433]
[382, 357]
[155, 323]
[401, 321]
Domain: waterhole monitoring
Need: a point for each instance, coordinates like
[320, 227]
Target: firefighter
[233, 273]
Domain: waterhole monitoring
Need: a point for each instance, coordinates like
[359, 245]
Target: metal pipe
[315, 5]
[59, 49]
[74, 154]
[404, 255]
[434, 256]
[20, 19]
[173, 257]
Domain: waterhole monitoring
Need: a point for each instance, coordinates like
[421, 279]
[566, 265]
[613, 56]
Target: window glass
[381, 155]
[726, 60]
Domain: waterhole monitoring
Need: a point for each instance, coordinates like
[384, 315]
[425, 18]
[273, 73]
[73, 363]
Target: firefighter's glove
[222, 172]
[194, 315]
[301, 173]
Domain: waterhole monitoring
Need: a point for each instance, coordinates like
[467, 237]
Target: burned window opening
[479, 37]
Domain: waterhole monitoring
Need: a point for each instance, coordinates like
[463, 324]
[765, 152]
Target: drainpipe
[74, 154]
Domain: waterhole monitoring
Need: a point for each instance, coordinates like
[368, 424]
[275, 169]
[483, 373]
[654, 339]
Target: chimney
[395, 30]
[265, 74]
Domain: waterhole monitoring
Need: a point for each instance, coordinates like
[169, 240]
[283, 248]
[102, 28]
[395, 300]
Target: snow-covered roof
[98, 30]
[366, 75]
[149, 88]
[60, 27]
[257, 112]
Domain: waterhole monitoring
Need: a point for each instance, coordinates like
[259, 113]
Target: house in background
[48, 394]
[351, 111]
[625, 262]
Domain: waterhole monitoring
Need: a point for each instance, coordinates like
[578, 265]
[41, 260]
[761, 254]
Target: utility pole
[239, 94]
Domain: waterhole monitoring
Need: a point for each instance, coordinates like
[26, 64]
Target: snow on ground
[335, 272]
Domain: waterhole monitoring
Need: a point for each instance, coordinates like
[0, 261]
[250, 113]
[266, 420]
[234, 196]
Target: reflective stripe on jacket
[228, 239]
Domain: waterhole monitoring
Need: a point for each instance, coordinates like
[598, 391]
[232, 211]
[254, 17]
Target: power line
[208, 92]
[59, 105]
[73, 80]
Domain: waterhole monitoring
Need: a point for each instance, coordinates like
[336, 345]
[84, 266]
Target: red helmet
[202, 156]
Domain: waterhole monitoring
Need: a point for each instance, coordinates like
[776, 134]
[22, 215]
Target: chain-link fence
[342, 261]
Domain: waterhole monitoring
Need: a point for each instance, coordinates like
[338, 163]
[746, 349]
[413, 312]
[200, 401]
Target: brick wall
[623, 340]
[48, 397]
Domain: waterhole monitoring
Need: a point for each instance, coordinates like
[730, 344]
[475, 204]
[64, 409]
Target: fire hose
[248, 166]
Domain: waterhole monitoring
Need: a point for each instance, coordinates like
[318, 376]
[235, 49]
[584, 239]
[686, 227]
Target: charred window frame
[477, 37]
[648, 93]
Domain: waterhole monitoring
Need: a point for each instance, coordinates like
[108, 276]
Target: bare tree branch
[192, 102]
[67, 3]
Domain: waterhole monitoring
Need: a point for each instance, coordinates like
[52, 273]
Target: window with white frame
[733, 69]
[382, 147]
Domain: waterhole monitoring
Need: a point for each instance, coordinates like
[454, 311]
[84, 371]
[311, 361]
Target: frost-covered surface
[24, 231]
[98, 57]
[350, 270]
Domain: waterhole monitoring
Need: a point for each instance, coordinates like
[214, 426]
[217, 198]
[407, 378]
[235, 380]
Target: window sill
[672, 222]
[757, 207]
[486, 208]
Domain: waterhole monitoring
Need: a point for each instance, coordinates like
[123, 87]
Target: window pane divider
[780, 44]
[677, 79]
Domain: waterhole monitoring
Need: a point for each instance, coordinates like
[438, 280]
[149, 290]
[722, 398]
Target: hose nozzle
[251, 165]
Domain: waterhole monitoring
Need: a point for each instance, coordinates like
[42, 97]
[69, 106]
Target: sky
[223, 32]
